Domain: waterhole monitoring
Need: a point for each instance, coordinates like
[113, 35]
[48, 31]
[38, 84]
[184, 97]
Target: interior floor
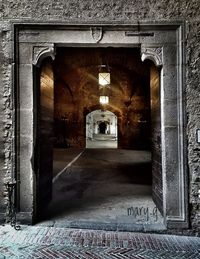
[102, 189]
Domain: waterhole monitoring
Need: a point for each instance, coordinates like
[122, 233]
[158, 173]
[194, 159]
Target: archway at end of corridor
[101, 129]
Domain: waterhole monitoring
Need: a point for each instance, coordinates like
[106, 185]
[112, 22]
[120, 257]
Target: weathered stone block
[25, 77]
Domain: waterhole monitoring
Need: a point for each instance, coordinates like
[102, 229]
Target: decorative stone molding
[97, 33]
[41, 52]
[155, 54]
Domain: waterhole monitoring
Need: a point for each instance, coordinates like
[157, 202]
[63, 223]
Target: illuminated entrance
[170, 196]
[101, 129]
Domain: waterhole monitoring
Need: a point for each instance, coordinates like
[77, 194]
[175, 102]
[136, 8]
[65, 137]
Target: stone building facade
[21, 21]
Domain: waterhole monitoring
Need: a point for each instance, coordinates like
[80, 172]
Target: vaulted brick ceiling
[77, 71]
[76, 84]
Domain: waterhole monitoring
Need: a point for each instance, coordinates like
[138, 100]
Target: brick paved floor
[47, 242]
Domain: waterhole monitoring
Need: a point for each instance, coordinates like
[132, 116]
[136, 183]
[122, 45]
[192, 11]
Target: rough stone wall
[6, 113]
[100, 10]
[103, 11]
[193, 119]
[1, 136]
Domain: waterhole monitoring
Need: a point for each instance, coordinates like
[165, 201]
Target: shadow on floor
[101, 186]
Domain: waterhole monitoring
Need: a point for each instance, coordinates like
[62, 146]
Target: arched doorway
[130, 162]
[104, 166]
[101, 129]
[173, 169]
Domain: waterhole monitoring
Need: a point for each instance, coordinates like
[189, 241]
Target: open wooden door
[157, 183]
[45, 134]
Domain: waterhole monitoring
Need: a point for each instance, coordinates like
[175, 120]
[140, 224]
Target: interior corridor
[103, 189]
[102, 119]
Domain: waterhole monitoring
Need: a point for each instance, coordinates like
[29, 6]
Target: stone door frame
[162, 42]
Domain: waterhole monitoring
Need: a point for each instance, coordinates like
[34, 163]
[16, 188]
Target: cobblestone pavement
[47, 242]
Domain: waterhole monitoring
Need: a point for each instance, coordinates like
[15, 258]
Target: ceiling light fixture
[104, 76]
[103, 99]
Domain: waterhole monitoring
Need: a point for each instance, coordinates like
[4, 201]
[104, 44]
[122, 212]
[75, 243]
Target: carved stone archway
[160, 43]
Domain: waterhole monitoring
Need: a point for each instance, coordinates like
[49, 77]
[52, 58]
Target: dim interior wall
[45, 135]
[77, 91]
[157, 184]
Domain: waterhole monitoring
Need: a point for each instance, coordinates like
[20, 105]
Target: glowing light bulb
[104, 99]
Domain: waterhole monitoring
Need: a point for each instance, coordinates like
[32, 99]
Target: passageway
[101, 129]
[104, 128]
[102, 188]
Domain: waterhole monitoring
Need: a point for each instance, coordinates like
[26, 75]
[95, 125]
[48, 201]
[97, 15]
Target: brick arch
[100, 107]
